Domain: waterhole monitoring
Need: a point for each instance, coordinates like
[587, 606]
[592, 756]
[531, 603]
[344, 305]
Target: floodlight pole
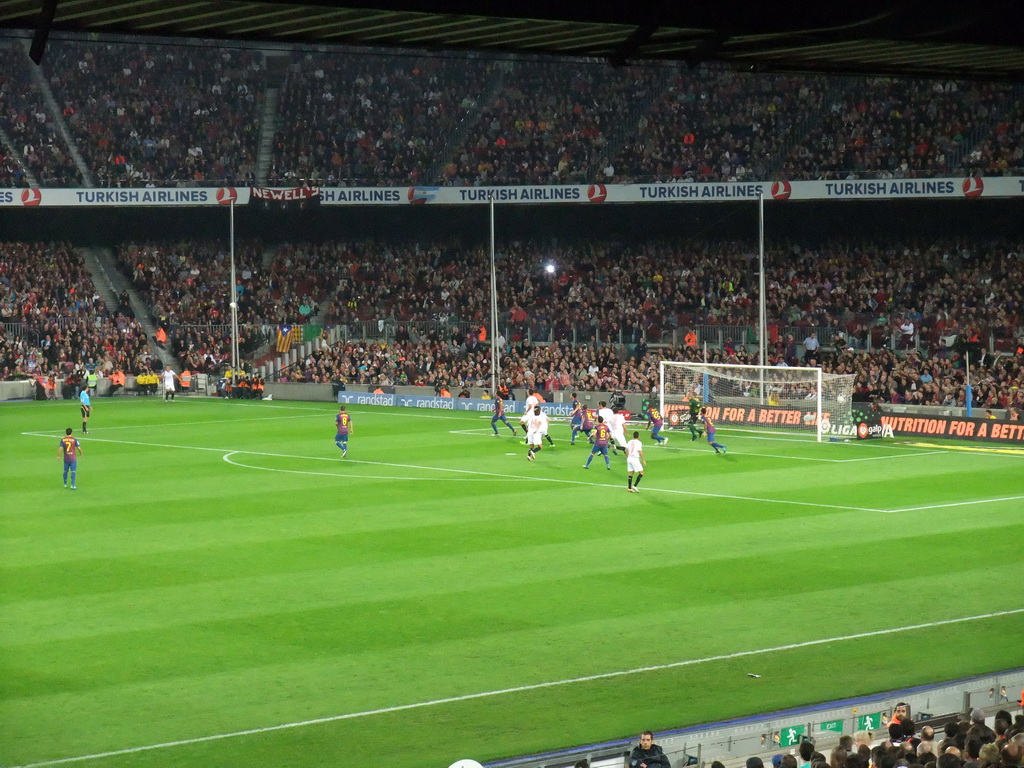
[968, 391]
[495, 350]
[762, 313]
[233, 302]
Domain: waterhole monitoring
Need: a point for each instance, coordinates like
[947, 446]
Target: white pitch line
[501, 475]
[954, 504]
[886, 457]
[521, 689]
[507, 476]
[347, 475]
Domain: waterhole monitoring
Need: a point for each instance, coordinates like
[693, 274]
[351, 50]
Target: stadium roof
[936, 38]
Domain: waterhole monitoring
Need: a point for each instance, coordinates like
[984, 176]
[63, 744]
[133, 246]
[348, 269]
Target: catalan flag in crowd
[286, 335]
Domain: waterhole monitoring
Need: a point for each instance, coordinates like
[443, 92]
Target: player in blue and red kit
[602, 434]
[709, 430]
[499, 415]
[575, 418]
[70, 450]
[654, 417]
[344, 423]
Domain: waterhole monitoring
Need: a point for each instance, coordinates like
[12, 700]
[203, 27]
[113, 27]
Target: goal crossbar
[774, 398]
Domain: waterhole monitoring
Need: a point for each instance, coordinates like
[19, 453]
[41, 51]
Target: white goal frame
[831, 404]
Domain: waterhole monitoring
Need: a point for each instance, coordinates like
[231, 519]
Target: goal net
[759, 397]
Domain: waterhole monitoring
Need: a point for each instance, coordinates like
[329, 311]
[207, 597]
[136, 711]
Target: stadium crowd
[369, 119]
[940, 303]
[63, 326]
[968, 742]
[160, 115]
[174, 115]
[30, 127]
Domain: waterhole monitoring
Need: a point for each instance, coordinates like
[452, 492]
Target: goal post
[759, 397]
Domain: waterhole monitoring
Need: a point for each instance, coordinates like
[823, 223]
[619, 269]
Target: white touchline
[521, 688]
[954, 504]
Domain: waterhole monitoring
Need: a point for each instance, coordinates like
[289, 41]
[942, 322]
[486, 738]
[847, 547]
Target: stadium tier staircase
[503, 70]
[627, 128]
[14, 154]
[110, 282]
[1005, 109]
[803, 129]
[58, 118]
[276, 63]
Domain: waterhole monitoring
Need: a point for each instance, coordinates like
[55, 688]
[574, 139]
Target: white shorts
[620, 438]
[534, 438]
[633, 464]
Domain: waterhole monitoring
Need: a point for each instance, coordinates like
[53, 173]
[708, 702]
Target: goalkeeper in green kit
[696, 425]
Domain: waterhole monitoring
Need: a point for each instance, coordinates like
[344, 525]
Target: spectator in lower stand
[647, 754]
[978, 727]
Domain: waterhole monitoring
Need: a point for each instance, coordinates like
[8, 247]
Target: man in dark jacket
[648, 754]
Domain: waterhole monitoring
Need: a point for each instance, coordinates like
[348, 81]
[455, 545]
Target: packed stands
[888, 128]
[55, 322]
[187, 287]
[31, 127]
[175, 115]
[160, 115]
[369, 119]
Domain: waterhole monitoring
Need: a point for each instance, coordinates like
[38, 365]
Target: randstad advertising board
[512, 407]
[958, 188]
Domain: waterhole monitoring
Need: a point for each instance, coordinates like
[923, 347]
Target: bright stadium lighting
[549, 268]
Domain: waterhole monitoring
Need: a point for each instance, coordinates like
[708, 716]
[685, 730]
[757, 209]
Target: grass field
[225, 590]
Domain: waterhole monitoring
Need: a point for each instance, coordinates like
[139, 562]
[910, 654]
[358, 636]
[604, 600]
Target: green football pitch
[223, 589]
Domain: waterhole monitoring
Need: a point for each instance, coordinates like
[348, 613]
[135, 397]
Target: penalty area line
[520, 689]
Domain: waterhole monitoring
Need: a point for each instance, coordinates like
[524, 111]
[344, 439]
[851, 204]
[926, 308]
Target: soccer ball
[841, 398]
[234, 305]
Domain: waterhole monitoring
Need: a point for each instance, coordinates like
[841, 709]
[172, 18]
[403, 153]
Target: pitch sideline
[519, 689]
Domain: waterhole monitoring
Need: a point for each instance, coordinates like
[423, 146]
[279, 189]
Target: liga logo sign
[862, 430]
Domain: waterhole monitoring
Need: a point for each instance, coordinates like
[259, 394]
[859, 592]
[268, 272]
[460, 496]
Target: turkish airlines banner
[581, 194]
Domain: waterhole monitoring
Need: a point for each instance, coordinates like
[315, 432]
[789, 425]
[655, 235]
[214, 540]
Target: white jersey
[168, 375]
[536, 428]
[618, 423]
[618, 428]
[531, 403]
[537, 423]
[634, 454]
[606, 414]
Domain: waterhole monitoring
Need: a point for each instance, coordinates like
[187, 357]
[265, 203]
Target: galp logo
[597, 193]
[31, 197]
[227, 196]
[781, 190]
[973, 186]
[422, 195]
